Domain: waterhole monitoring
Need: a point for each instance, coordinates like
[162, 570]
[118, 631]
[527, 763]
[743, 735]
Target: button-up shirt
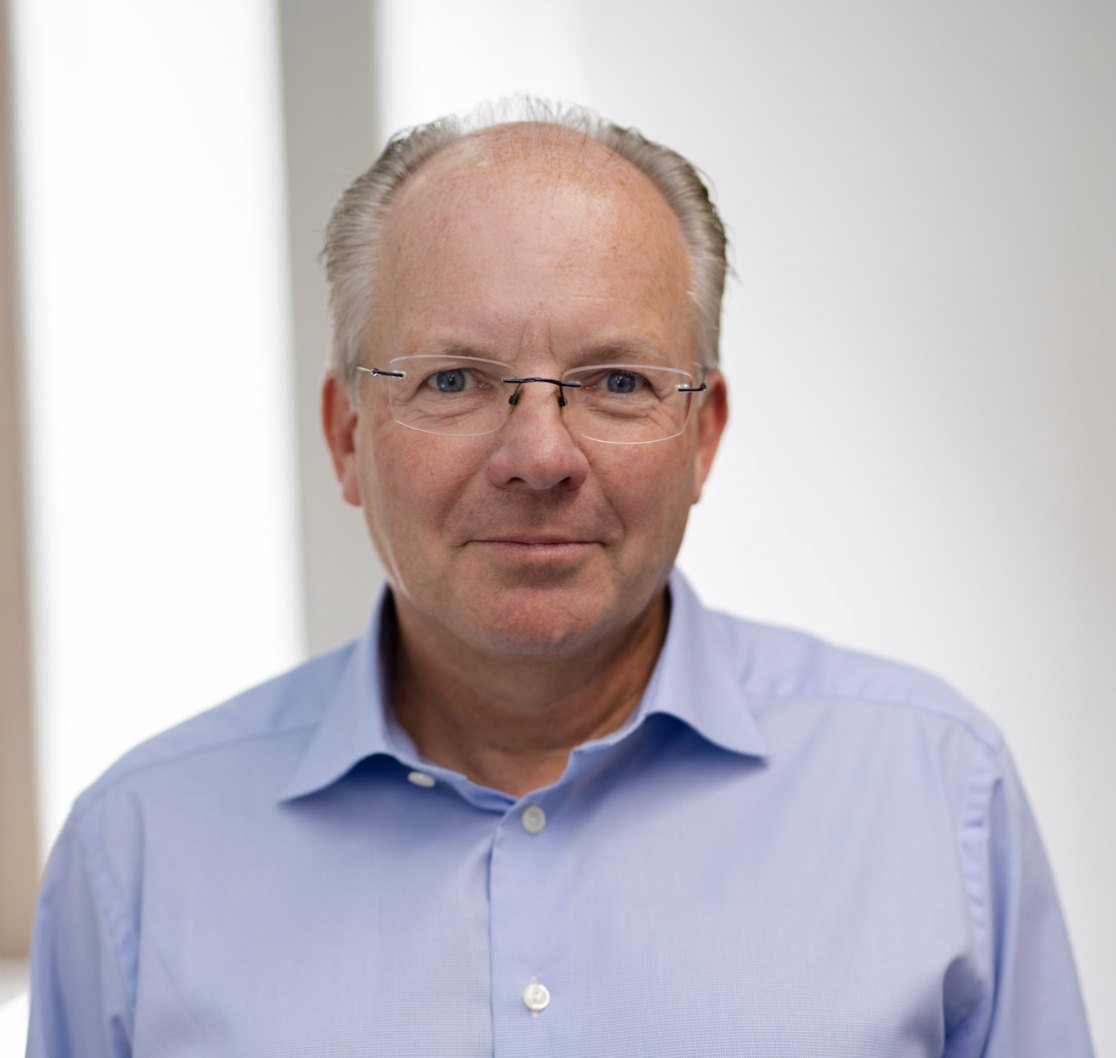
[788, 850]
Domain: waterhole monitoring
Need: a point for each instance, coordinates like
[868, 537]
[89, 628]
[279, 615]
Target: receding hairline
[507, 149]
[489, 181]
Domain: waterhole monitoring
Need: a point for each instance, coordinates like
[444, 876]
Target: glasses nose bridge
[545, 417]
[561, 387]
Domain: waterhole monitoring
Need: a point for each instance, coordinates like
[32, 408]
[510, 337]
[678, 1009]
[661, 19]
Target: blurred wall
[161, 518]
[18, 837]
[332, 135]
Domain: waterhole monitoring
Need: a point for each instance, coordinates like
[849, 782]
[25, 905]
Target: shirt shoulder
[288, 705]
[782, 667]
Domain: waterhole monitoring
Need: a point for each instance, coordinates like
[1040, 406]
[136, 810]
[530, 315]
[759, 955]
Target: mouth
[537, 547]
[530, 539]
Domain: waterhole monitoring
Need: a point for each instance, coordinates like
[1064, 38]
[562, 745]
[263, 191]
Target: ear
[712, 414]
[339, 422]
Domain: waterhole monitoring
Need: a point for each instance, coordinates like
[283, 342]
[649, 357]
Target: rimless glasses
[466, 396]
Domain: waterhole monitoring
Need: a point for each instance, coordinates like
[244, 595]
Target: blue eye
[453, 381]
[623, 382]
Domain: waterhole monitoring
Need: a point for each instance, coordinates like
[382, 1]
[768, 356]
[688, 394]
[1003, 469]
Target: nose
[534, 449]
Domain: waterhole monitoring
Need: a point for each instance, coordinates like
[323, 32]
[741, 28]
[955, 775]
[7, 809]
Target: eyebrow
[450, 347]
[621, 351]
[632, 351]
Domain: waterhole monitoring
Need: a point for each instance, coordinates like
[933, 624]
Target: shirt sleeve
[1034, 1009]
[79, 994]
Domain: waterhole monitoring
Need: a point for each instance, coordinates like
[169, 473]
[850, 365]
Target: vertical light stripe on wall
[162, 508]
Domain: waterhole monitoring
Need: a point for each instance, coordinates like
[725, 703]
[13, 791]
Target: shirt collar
[697, 679]
[354, 724]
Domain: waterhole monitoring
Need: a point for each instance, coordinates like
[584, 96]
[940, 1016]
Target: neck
[510, 723]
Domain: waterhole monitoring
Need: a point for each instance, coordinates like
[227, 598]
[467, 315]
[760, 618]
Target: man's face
[529, 540]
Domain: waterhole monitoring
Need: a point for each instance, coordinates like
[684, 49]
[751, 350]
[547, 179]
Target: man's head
[540, 248]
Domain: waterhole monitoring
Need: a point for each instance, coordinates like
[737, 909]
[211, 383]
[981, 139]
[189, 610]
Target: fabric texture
[789, 850]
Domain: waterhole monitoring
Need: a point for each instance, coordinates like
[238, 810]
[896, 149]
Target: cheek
[411, 487]
[656, 483]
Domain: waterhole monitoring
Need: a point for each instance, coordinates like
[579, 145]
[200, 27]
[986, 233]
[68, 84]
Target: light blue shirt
[790, 850]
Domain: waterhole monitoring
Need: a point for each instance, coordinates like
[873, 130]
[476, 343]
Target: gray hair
[353, 236]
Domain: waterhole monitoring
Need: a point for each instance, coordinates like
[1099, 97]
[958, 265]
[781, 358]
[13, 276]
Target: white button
[533, 820]
[536, 997]
[420, 778]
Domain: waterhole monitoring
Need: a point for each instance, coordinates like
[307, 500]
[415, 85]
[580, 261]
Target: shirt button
[536, 997]
[420, 778]
[533, 820]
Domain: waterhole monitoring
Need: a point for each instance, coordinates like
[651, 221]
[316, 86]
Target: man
[549, 805]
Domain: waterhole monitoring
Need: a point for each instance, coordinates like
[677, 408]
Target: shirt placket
[530, 1000]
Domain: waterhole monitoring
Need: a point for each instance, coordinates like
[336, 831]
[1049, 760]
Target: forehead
[532, 226]
[483, 167]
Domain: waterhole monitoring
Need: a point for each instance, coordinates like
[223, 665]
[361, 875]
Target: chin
[542, 624]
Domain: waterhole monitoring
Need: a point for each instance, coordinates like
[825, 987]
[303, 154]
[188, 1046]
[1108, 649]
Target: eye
[622, 382]
[454, 380]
